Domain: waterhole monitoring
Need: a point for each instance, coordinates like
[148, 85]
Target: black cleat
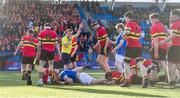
[146, 83]
[151, 83]
[29, 82]
[24, 76]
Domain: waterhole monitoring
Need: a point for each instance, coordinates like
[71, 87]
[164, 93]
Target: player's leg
[86, 79]
[73, 61]
[29, 68]
[106, 65]
[100, 60]
[171, 71]
[178, 71]
[152, 71]
[74, 65]
[23, 71]
[119, 60]
[42, 62]
[144, 68]
[126, 74]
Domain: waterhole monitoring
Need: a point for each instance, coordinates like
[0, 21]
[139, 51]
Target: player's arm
[107, 42]
[78, 69]
[57, 48]
[118, 46]
[68, 80]
[156, 45]
[96, 44]
[38, 49]
[111, 82]
[74, 51]
[168, 39]
[112, 42]
[18, 47]
[79, 31]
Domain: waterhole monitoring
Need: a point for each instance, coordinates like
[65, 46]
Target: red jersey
[74, 43]
[29, 46]
[135, 33]
[175, 29]
[116, 75]
[45, 75]
[101, 36]
[158, 30]
[48, 38]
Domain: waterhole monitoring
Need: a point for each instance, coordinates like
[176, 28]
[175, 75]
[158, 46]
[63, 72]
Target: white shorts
[119, 58]
[85, 79]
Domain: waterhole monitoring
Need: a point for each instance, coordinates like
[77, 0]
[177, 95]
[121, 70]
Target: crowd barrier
[9, 62]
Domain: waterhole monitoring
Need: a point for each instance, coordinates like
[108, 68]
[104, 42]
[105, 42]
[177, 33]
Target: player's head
[154, 17]
[120, 27]
[56, 78]
[47, 26]
[30, 32]
[94, 24]
[128, 16]
[174, 15]
[68, 32]
[108, 76]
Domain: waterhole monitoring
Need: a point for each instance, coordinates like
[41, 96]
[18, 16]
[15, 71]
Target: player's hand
[72, 54]
[156, 55]
[113, 51]
[161, 42]
[60, 56]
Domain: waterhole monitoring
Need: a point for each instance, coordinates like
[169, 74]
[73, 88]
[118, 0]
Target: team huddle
[149, 51]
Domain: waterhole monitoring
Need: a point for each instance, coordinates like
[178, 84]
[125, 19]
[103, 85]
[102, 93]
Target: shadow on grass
[11, 82]
[13, 78]
[98, 91]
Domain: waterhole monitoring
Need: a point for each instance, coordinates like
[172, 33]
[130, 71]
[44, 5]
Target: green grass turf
[11, 86]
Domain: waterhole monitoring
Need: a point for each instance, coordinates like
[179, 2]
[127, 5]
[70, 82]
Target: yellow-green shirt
[66, 49]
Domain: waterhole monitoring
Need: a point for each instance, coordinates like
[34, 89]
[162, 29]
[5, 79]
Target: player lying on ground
[116, 77]
[70, 76]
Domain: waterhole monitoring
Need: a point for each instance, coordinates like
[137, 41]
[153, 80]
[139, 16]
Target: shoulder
[175, 25]
[102, 30]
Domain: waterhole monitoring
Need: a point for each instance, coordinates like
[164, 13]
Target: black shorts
[27, 60]
[66, 58]
[173, 54]
[162, 54]
[73, 59]
[102, 51]
[46, 55]
[132, 52]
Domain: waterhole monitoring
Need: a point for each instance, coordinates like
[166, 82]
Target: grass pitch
[11, 86]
